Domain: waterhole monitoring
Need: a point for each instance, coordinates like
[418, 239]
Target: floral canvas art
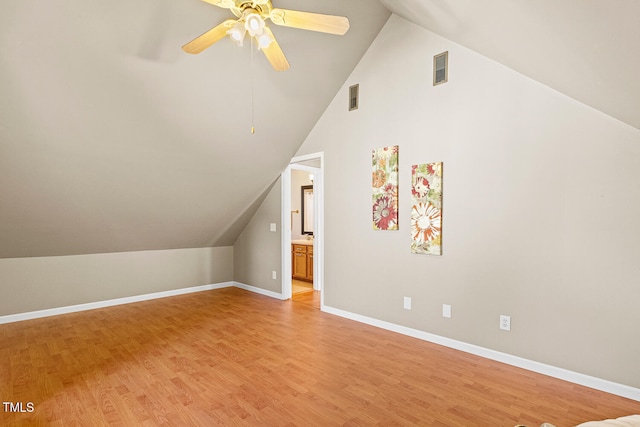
[426, 210]
[385, 188]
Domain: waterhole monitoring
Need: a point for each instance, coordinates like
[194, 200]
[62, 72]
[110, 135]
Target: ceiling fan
[252, 16]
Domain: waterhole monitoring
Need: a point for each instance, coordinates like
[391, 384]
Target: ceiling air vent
[353, 97]
[440, 68]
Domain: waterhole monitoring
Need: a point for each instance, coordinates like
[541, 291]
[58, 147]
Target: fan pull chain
[253, 131]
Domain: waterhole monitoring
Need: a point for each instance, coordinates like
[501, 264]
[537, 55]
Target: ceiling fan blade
[205, 40]
[331, 24]
[225, 4]
[274, 54]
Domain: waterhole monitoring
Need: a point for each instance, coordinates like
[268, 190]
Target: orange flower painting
[385, 188]
[426, 211]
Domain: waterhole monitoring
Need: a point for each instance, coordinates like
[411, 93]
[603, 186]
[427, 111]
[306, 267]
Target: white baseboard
[259, 290]
[127, 300]
[109, 303]
[541, 368]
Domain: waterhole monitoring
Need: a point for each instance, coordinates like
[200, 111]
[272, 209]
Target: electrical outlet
[407, 303]
[272, 226]
[505, 322]
[274, 275]
[446, 310]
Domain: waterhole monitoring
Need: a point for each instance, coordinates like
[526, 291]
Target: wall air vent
[353, 97]
[440, 68]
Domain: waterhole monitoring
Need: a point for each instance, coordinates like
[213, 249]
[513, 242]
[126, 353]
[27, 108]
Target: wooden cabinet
[299, 262]
[310, 263]
[302, 262]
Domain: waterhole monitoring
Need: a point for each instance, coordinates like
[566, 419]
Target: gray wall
[540, 214]
[32, 284]
[256, 252]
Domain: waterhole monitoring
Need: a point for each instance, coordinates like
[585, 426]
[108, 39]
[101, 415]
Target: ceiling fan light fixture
[254, 24]
[264, 40]
[237, 32]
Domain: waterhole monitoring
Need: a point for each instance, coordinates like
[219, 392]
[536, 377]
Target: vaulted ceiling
[113, 139]
[586, 49]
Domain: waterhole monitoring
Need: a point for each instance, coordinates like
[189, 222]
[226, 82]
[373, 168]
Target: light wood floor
[231, 357]
[299, 286]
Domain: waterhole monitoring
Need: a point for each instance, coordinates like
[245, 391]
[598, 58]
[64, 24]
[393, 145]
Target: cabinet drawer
[300, 248]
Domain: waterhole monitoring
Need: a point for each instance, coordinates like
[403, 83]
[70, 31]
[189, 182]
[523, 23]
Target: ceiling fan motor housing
[261, 7]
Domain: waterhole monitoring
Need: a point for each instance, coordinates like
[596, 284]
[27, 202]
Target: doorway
[303, 225]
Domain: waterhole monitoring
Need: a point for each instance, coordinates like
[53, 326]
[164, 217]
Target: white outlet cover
[446, 310]
[505, 323]
[274, 275]
[407, 303]
[272, 226]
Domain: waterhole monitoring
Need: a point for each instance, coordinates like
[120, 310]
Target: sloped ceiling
[113, 139]
[586, 49]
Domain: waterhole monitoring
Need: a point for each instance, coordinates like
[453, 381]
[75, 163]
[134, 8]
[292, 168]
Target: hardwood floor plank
[230, 357]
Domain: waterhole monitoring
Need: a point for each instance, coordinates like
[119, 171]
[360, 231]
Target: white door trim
[318, 226]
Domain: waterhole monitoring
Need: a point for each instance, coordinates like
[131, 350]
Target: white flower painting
[426, 210]
[385, 188]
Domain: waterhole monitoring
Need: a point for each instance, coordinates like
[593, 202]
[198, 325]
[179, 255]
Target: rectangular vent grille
[353, 97]
[440, 68]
